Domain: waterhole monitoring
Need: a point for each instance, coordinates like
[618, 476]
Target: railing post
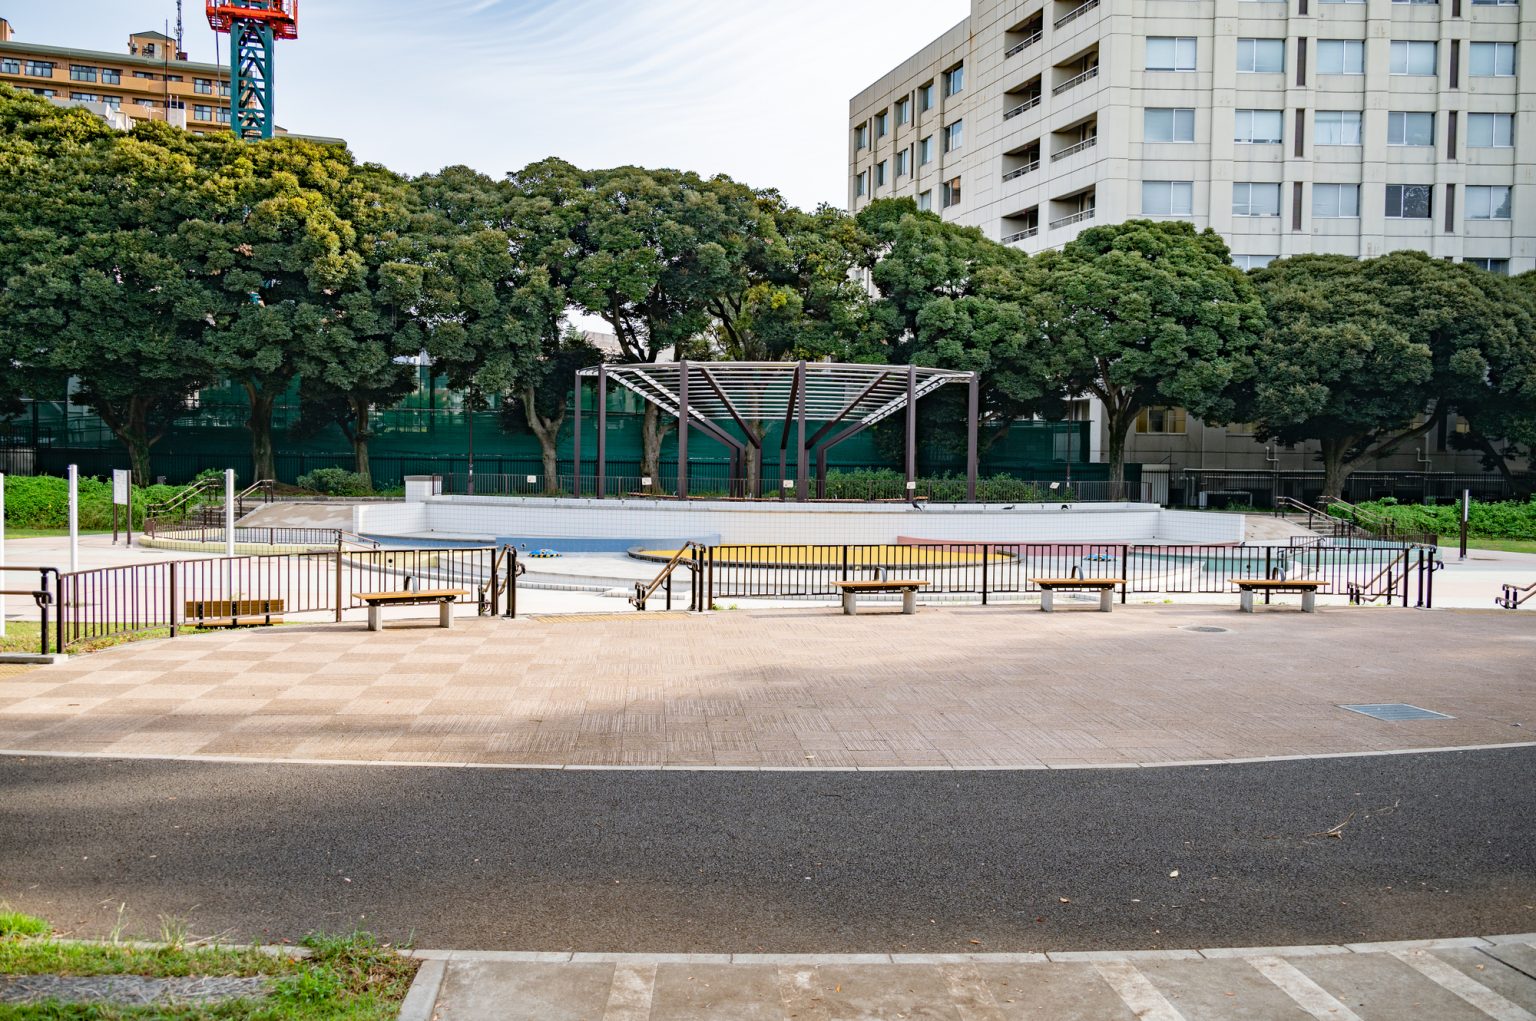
[986, 556]
[1125, 571]
[710, 579]
[511, 583]
[170, 611]
[338, 581]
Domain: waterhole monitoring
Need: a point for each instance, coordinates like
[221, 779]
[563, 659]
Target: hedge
[42, 501]
[1506, 520]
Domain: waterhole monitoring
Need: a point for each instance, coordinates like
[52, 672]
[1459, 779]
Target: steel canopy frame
[792, 393]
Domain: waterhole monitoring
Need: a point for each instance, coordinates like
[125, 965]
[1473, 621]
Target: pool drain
[1207, 629]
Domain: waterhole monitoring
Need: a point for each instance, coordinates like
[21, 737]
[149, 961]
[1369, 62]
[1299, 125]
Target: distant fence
[1217, 488]
[119, 602]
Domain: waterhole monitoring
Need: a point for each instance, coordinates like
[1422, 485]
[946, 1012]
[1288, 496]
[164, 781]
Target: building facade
[1288, 126]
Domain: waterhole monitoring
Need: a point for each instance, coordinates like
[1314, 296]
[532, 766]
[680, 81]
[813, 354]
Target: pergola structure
[719, 398]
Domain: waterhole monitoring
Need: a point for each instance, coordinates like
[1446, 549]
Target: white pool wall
[814, 524]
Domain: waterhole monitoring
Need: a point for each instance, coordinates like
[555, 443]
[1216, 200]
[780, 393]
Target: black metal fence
[1395, 573]
[1219, 488]
[169, 596]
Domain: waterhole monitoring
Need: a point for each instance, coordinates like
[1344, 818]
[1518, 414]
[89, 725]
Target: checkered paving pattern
[963, 687]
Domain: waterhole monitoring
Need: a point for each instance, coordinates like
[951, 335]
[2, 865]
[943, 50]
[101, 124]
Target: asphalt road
[644, 861]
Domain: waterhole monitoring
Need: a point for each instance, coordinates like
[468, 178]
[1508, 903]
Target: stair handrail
[1514, 595]
[644, 592]
[346, 538]
[1359, 592]
[155, 513]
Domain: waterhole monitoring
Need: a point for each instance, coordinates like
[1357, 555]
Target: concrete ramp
[300, 515]
[1267, 528]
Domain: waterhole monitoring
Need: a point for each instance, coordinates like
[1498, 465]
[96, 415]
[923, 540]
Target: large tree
[1146, 313]
[1364, 356]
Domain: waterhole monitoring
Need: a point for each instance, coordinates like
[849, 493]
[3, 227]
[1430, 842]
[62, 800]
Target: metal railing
[45, 596]
[694, 556]
[1019, 47]
[1021, 235]
[1072, 83]
[308, 538]
[1027, 168]
[1261, 488]
[1075, 148]
[1075, 13]
[1067, 221]
[1514, 595]
[1028, 104]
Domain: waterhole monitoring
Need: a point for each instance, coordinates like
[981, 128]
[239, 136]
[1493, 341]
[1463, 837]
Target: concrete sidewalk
[1469, 979]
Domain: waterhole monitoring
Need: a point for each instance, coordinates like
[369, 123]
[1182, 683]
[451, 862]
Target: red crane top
[282, 15]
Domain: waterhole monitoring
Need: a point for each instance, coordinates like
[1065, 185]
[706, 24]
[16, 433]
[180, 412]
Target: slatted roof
[766, 391]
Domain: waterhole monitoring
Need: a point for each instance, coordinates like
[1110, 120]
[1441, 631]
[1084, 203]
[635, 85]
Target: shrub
[42, 501]
[890, 484]
[1504, 520]
[336, 482]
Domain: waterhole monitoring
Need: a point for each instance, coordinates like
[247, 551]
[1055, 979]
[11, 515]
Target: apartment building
[151, 81]
[1355, 127]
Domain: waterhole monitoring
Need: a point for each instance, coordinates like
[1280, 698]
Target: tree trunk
[361, 434]
[130, 424]
[650, 439]
[1119, 425]
[752, 463]
[1334, 451]
[263, 464]
[547, 430]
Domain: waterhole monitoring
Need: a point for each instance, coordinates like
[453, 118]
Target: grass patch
[48, 533]
[14, 923]
[23, 636]
[345, 978]
[1500, 545]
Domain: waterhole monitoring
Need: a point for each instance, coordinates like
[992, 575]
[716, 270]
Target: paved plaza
[951, 687]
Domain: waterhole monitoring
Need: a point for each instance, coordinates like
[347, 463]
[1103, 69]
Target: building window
[861, 136]
[880, 174]
[1410, 128]
[202, 86]
[1170, 53]
[1255, 199]
[144, 74]
[882, 123]
[1487, 202]
[1335, 201]
[1340, 56]
[951, 192]
[1490, 130]
[903, 112]
[954, 80]
[925, 97]
[85, 97]
[861, 184]
[40, 68]
[115, 102]
[10, 65]
[202, 113]
[954, 136]
[904, 163]
[1499, 267]
[224, 89]
[111, 76]
[1169, 125]
[1261, 56]
[1260, 127]
[925, 151]
[925, 201]
[1168, 198]
[1491, 60]
[1167, 421]
[1408, 201]
[222, 114]
[1246, 262]
[1414, 57]
[45, 93]
[1338, 127]
[82, 73]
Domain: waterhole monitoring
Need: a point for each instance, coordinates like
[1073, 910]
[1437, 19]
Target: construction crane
[254, 26]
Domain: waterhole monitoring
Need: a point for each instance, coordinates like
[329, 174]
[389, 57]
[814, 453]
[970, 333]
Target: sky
[758, 91]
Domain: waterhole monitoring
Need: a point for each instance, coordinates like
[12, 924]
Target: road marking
[1137, 991]
[629, 998]
[973, 1001]
[1474, 992]
[1309, 996]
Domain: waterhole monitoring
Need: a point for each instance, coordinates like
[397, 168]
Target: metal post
[74, 518]
[171, 610]
[682, 431]
[469, 416]
[986, 555]
[911, 431]
[576, 441]
[339, 568]
[1466, 515]
[229, 512]
[602, 431]
[971, 424]
[802, 474]
[512, 583]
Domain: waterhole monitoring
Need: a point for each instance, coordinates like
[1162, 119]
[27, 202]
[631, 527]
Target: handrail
[1072, 83]
[1514, 595]
[1076, 147]
[155, 512]
[1078, 217]
[1075, 12]
[44, 597]
[344, 537]
[1021, 235]
[644, 592]
[1021, 171]
[1020, 47]
[1030, 103]
[1359, 592]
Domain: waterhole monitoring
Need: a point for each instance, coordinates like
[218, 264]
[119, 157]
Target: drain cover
[1206, 629]
[1395, 711]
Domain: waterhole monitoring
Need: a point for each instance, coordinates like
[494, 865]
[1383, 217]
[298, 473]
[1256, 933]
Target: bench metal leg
[909, 601]
[445, 614]
[1245, 600]
[1309, 601]
[850, 605]
[375, 618]
[1047, 600]
[1106, 600]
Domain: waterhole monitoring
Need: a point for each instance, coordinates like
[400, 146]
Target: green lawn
[345, 978]
[1501, 545]
[47, 533]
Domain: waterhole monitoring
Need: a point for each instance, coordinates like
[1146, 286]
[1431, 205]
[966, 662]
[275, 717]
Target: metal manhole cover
[1206, 629]
[1394, 711]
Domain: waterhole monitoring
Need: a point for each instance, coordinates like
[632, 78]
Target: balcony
[1027, 168]
[1075, 148]
[1075, 13]
[1028, 104]
[1076, 80]
[1023, 35]
[1077, 217]
[1020, 235]
[1024, 44]
[1020, 226]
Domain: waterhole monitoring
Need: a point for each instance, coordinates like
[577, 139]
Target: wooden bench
[1105, 587]
[1271, 586]
[443, 597]
[233, 612]
[906, 586]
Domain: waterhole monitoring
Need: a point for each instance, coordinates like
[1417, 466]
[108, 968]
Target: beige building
[150, 81]
[1289, 126]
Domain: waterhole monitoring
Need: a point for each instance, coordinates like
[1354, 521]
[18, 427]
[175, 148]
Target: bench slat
[425, 595]
[880, 586]
[1083, 582]
[1277, 583]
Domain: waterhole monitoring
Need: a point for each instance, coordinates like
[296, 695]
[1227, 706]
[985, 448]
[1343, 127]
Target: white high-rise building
[1289, 126]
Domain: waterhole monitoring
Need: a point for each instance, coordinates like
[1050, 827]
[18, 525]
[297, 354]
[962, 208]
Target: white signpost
[122, 496]
[74, 518]
[229, 512]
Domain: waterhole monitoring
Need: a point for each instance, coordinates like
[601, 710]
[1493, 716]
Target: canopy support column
[972, 421]
[802, 492]
[682, 432]
[576, 440]
[602, 431]
[911, 431]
